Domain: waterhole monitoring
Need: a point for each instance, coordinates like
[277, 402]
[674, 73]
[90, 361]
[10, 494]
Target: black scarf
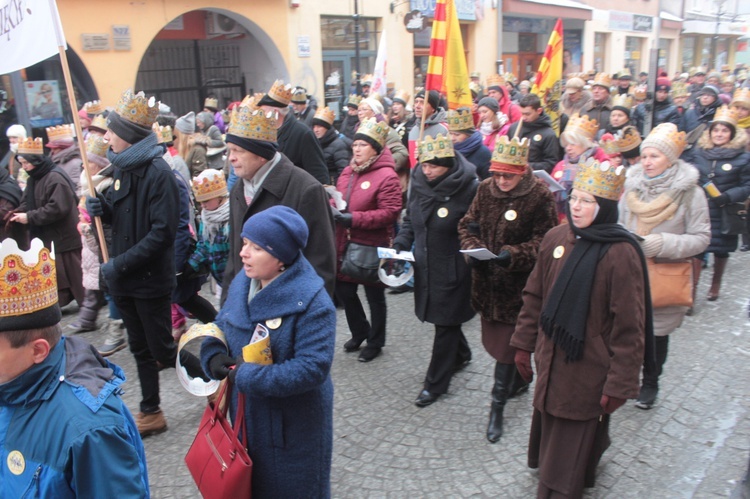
[9, 188]
[42, 166]
[566, 312]
[431, 192]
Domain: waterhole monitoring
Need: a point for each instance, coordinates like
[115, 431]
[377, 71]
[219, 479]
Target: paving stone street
[694, 443]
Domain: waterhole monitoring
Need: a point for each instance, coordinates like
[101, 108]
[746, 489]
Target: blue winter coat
[289, 404]
[65, 432]
[475, 152]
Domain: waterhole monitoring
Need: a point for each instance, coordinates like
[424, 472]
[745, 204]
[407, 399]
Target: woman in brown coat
[509, 216]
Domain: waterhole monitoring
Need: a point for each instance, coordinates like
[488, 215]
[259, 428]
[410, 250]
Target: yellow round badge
[273, 323]
[16, 462]
[537, 138]
[511, 215]
[442, 212]
[365, 185]
[559, 252]
[726, 167]
[117, 184]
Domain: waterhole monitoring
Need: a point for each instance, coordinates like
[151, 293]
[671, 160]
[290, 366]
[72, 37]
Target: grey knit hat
[186, 124]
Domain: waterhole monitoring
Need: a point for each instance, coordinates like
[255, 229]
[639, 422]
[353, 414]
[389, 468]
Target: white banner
[30, 32]
[379, 75]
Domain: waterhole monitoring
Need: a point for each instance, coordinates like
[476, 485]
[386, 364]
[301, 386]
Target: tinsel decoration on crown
[97, 146]
[280, 92]
[60, 132]
[728, 115]
[628, 138]
[254, 124]
[495, 81]
[29, 280]
[325, 114]
[99, 122]
[603, 79]
[460, 119]
[438, 147]
[30, 146]
[137, 109]
[511, 151]
[164, 134]
[587, 126]
[622, 100]
[209, 184]
[211, 102]
[609, 145]
[93, 108]
[600, 179]
[741, 97]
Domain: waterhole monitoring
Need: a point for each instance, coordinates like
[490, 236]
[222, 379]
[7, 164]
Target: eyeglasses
[506, 176]
[584, 202]
[359, 144]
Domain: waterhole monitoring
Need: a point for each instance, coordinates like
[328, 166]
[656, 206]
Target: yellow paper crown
[511, 151]
[510, 77]
[495, 81]
[402, 96]
[728, 115]
[600, 179]
[253, 124]
[97, 146]
[354, 100]
[603, 79]
[209, 184]
[93, 107]
[367, 79]
[378, 131]
[99, 122]
[628, 139]
[741, 98]
[583, 124]
[211, 102]
[640, 92]
[460, 119]
[280, 92]
[609, 144]
[137, 109]
[59, 132]
[299, 96]
[29, 280]
[622, 100]
[31, 146]
[679, 89]
[325, 114]
[433, 148]
[164, 134]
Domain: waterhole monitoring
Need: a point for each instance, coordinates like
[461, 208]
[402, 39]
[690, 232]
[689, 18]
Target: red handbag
[217, 459]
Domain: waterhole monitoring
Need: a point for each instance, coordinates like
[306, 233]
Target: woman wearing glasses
[509, 216]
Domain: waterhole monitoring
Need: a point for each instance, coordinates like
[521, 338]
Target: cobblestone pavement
[694, 443]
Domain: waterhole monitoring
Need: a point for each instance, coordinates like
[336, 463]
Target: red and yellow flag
[548, 83]
[446, 68]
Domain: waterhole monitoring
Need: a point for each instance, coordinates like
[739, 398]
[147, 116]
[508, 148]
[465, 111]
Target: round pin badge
[726, 167]
[273, 323]
[558, 174]
[365, 185]
[511, 215]
[117, 184]
[16, 462]
[537, 138]
[442, 212]
[559, 252]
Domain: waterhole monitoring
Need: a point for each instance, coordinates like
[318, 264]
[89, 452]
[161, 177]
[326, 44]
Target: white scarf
[214, 220]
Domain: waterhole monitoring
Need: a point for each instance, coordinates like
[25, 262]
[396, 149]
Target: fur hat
[279, 230]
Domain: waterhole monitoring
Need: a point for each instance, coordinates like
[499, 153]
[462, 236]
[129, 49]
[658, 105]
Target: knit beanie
[126, 130]
[279, 230]
[433, 98]
[666, 139]
[16, 131]
[663, 84]
[490, 103]
[186, 124]
[709, 89]
[262, 148]
[374, 104]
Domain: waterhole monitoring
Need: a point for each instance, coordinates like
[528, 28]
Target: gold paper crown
[640, 92]
[583, 124]
[325, 114]
[29, 280]
[622, 100]
[93, 107]
[510, 77]
[97, 146]
[609, 144]
[99, 122]
[280, 92]
[460, 119]
[603, 79]
[137, 109]
[628, 139]
[403, 96]
[253, 124]
[741, 98]
[495, 81]
[367, 79]
[211, 102]
[679, 89]
[433, 148]
[59, 132]
[378, 131]
[209, 184]
[511, 151]
[726, 114]
[666, 138]
[164, 134]
[299, 96]
[624, 73]
[600, 179]
[354, 100]
[31, 146]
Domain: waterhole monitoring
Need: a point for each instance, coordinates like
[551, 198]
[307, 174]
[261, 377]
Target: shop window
[706, 53]
[664, 48]
[633, 54]
[688, 53]
[337, 33]
[600, 51]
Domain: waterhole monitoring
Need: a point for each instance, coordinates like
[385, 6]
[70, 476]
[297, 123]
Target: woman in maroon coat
[372, 192]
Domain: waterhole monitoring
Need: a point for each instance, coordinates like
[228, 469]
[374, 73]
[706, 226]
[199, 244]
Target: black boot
[650, 387]
[503, 379]
[519, 385]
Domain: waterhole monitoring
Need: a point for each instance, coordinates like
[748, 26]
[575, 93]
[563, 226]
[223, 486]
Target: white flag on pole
[381, 61]
[30, 32]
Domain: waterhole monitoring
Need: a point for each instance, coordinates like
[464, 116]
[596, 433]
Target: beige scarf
[649, 215]
[364, 166]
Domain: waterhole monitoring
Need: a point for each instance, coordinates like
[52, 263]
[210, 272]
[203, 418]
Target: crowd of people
[505, 210]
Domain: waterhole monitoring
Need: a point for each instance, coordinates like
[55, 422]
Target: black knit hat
[433, 98]
[126, 130]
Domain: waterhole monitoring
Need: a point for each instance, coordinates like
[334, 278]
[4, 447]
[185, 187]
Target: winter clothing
[278, 231]
[186, 124]
[336, 153]
[298, 143]
[571, 108]
[10, 198]
[664, 112]
[69, 160]
[599, 112]
[475, 153]
[543, 142]
[187, 286]
[565, 173]
[434, 125]
[210, 130]
[348, 127]
[213, 244]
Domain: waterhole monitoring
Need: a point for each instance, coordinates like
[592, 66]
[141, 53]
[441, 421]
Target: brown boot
[150, 424]
[719, 265]
[697, 267]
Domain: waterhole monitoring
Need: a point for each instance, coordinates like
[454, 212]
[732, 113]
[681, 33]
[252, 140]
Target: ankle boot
[650, 387]
[503, 379]
[697, 267]
[720, 263]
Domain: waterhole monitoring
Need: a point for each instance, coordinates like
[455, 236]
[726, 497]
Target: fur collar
[685, 178]
[739, 141]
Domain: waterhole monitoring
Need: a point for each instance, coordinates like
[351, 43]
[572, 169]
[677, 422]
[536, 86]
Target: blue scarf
[470, 145]
[143, 151]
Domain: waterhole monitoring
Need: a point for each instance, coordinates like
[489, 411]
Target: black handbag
[733, 219]
[361, 263]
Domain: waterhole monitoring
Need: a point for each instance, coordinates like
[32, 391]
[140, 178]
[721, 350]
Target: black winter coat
[479, 156]
[336, 153]
[544, 146]
[442, 279]
[665, 112]
[729, 169]
[599, 112]
[298, 143]
[349, 127]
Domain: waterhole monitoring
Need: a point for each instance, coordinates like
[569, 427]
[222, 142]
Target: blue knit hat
[279, 230]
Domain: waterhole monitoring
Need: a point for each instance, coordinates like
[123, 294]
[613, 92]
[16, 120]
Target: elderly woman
[664, 205]
[509, 216]
[372, 192]
[372, 108]
[586, 319]
[289, 403]
[442, 189]
[721, 158]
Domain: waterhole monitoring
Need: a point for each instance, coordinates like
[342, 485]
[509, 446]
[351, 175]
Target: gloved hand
[610, 404]
[334, 212]
[233, 372]
[398, 247]
[220, 365]
[474, 229]
[187, 273]
[523, 364]
[721, 199]
[503, 258]
[396, 267]
[652, 244]
[344, 219]
[108, 271]
[94, 206]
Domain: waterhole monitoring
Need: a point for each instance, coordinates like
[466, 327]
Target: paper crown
[622, 100]
[325, 114]
[624, 73]
[600, 179]
[495, 81]
[299, 96]
[29, 280]
[211, 102]
[640, 92]
[667, 139]
[31, 146]
[354, 100]
[603, 80]
[582, 124]
[433, 148]
[511, 151]
[628, 139]
[137, 109]
[609, 144]
[378, 131]
[402, 96]
[460, 119]
[93, 107]
[99, 122]
[679, 89]
[59, 132]
[281, 93]
[209, 184]
[475, 88]
[728, 115]
[367, 79]
[253, 124]
[97, 146]
[741, 98]
[164, 134]
[510, 77]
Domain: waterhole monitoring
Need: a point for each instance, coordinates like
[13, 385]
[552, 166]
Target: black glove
[344, 219]
[108, 271]
[187, 273]
[94, 206]
[721, 199]
[502, 259]
[474, 229]
[335, 212]
[233, 372]
[398, 247]
[219, 365]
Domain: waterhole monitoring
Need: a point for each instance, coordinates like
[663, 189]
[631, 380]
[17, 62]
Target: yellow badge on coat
[365, 185]
[726, 167]
[117, 184]
[511, 215]
[16, 462]
[559, 252]
[442, 212]
[273, 323]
